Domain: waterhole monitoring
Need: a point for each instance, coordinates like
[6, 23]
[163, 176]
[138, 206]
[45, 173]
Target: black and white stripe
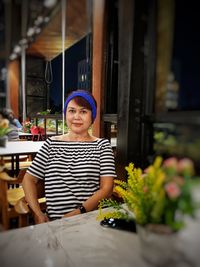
[71, 171]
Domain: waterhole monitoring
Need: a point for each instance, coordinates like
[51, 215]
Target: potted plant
[4, 130]
[157, 199]
[27, 126]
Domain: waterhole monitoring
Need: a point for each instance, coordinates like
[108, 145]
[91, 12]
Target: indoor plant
[4, 130]
[27, 126]
[157, 199]
[161, 194]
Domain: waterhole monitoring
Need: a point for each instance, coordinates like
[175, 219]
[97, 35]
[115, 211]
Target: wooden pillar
[13, 82]
[98, 61]
[165, 33]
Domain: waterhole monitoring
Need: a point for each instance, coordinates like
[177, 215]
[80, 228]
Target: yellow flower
[156, 195]
[4, 127]
[4, 123]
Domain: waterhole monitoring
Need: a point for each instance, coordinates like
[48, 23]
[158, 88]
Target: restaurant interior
[140, 60]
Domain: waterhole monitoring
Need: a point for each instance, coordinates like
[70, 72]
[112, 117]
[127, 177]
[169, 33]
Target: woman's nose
[77, 115]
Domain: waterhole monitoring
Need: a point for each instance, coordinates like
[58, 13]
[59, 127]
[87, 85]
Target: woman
[13, 134]
[14, 120]
[77, 168]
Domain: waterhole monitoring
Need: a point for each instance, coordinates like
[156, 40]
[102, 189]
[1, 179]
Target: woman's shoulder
[57, 138]
[103, 142]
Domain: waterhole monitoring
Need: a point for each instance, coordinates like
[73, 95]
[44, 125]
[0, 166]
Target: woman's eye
[83, 111]
[71, 111]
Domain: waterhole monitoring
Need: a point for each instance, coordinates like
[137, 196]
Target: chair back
[9, 197]
[22, 206]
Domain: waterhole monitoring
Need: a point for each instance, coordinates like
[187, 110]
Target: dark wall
[186, 54]
[36, 89]
[2, 84]
[72, 57]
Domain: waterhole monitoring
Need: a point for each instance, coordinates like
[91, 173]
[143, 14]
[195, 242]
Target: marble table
[20, 148]
[77, 241]
[17, 148]
[80, 241]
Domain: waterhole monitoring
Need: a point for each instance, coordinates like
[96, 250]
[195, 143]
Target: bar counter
[80, 241]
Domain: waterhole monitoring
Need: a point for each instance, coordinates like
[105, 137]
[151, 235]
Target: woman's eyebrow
[81, 108]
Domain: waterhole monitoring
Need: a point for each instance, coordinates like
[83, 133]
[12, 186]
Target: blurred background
[140, 59]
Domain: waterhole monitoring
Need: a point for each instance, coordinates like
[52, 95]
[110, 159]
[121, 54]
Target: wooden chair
[22, 207]
[12, 165]
[12, 200]
[9, 197]
[24, 162]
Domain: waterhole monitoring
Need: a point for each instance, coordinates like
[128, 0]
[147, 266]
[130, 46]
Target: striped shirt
[71, 172]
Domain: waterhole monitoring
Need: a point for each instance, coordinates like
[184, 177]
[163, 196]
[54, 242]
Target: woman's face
[78, 118]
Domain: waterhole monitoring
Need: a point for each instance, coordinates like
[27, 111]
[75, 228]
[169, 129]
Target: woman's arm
[29, 184]
[105, 191]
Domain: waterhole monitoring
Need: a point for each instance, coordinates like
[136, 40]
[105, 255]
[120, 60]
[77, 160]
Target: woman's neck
[79, 137]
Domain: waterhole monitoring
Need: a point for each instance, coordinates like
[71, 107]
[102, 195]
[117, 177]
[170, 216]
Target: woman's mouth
[77, 124]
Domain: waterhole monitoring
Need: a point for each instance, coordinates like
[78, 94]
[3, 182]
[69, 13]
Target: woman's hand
[72, 213]
[42, 218]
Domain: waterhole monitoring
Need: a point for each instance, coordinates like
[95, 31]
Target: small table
[17, 148]
[26, 136]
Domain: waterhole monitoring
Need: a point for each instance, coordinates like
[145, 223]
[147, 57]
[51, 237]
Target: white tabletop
[24, 134]
[20, 148]
[80, 241]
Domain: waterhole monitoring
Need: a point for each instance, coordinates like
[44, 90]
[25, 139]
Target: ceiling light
[30, 32]
[49, 3]
[17, 49]
[46, 19]
[23, 41]
[39, 20]
[37, 30]
[13, 56]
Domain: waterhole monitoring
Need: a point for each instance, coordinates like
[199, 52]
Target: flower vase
[158, 248]
[3, 141]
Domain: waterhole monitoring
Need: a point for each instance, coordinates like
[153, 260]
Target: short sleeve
[107, 162]
[39, 163]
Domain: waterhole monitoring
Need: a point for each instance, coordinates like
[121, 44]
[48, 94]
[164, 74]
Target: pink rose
[186, 166]
[170, 163]
[172, 189]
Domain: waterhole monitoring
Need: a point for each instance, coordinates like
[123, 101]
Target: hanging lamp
[48, 80]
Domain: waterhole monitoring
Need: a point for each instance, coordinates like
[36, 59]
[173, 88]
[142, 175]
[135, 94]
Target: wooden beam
[13, 77]
[97, 61]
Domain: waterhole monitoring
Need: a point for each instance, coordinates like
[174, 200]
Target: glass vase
[3, 141]
[158, 249]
